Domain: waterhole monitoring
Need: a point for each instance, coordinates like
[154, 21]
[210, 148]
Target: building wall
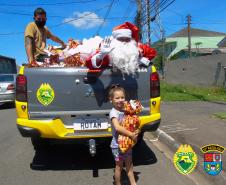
[182, 42]
[197, 71]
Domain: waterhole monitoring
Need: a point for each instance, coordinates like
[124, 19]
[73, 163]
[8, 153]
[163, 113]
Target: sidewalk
[193, 123]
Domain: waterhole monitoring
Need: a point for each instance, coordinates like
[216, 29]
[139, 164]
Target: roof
[196, 33]
[206, 50]
[1, 56]
[222, 43]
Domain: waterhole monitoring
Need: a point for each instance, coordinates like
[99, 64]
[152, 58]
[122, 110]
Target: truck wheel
[39, 143]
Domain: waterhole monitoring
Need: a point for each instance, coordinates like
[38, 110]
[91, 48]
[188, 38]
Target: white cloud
[84, 20]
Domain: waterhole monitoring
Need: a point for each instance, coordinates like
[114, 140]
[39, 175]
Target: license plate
[91, 124]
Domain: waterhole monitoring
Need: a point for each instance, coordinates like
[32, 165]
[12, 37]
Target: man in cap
[36, 34]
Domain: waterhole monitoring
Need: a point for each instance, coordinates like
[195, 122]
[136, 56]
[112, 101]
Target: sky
[79, 19]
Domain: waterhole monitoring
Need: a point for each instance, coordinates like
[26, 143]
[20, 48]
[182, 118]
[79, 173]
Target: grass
[221, 115]
[171, 92]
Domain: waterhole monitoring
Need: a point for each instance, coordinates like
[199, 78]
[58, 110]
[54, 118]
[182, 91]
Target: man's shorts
[119, 156]
[41, 57]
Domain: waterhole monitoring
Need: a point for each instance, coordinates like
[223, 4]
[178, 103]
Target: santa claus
[122, 50]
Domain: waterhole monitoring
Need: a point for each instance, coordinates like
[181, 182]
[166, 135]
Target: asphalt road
[71, 164]
[194, 123]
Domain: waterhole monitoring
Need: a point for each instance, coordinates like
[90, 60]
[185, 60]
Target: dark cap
[39, 11]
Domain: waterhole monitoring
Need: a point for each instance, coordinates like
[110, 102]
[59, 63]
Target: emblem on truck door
[45, 94]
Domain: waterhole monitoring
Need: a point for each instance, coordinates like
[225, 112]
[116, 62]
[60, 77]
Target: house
[195, 52]
[203, 42]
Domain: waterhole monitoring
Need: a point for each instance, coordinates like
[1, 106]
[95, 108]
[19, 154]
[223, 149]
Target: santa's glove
[144, 61]
[96, 62]
[105, 48]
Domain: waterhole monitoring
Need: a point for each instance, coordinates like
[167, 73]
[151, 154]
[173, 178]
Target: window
[6, 78]
[7, 66]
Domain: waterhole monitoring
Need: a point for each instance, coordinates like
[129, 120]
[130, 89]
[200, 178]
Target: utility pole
[147, 2]
[139, 17]
[189, 34]
[163, 53]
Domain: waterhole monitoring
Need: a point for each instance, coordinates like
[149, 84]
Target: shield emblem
[212, 163]
[45, 94]
[185, 159]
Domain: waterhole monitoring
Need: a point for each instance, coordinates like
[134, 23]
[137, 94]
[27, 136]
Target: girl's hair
[113, 89]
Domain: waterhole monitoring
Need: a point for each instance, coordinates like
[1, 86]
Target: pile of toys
[74, 55]
[130, 122]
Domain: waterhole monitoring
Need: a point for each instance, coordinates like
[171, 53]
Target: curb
[218, 102]
[173, 145]
[166, 139]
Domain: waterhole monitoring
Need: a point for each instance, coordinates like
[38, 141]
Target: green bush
[171, 92]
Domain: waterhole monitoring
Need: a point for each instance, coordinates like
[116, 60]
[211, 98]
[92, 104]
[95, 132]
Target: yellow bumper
[55, 128]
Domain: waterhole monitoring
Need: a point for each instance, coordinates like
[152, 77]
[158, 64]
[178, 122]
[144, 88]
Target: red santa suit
[146, 53]
[101, 58]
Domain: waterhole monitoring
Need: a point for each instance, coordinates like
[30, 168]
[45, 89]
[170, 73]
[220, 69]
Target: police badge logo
[45, 94]
[212, 158]
[185, 159]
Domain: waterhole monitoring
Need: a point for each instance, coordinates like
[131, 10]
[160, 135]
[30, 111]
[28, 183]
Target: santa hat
[127, 30]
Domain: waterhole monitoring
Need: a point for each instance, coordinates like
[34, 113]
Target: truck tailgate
[79, 90]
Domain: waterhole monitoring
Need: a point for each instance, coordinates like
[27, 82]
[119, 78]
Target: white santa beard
[124, 56]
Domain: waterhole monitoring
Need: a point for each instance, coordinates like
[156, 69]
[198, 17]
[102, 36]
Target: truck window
[7, 65]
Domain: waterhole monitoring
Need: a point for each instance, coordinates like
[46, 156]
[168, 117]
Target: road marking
[176, 127]
[182, 130]
[176, 123]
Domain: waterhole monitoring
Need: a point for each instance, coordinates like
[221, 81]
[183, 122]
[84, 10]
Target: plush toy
[74, 61]
[73, 43]
[130, 122]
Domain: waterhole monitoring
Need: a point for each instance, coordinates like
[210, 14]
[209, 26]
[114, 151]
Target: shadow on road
[77, 157]
[7, 106]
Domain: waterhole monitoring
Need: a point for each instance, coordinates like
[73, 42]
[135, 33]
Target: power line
[155, 5]
[167, 6]
[77, 18]
[60, 24]
[161, 10]
[161, 5]
[47, 4]
[127, 11]
[107, 13]
[179, 14]
[63, 16]
[27, 14]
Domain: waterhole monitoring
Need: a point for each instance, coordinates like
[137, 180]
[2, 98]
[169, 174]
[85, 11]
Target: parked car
[8, 73]
[7, 88]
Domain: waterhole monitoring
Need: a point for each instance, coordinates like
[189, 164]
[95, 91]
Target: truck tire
[39, 143]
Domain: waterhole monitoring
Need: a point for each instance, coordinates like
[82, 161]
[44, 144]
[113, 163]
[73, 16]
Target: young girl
[117, 98]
